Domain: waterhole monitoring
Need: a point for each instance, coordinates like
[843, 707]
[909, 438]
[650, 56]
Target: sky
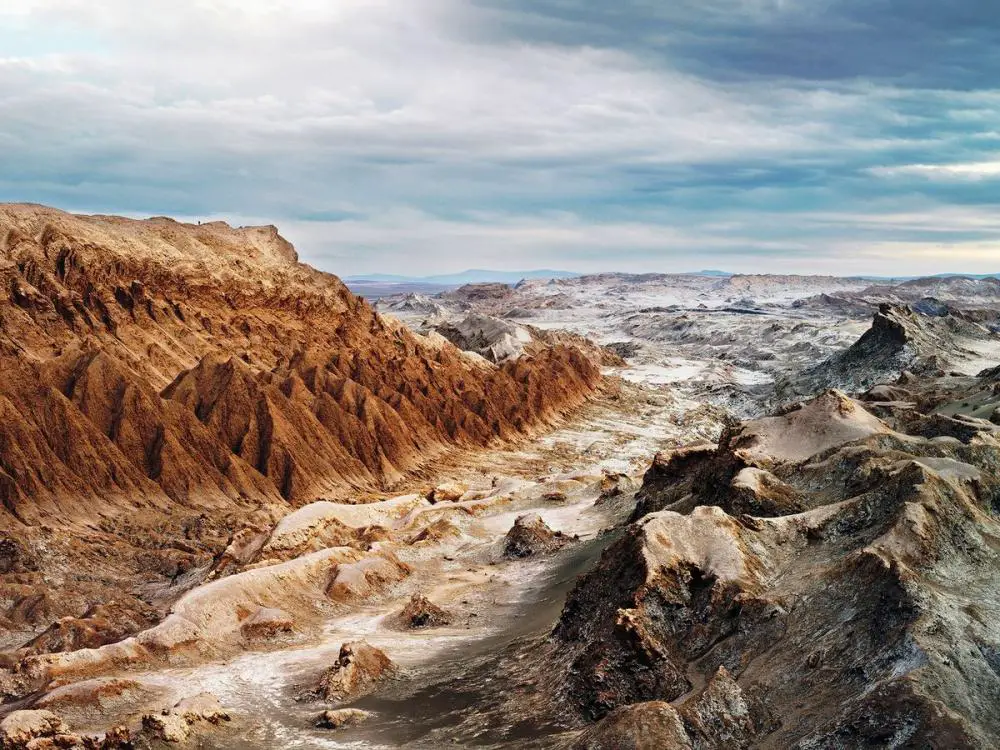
[429, 136]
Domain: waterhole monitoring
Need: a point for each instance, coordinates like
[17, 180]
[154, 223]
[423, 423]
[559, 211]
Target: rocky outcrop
[654, 725]
[19, 729]
[900, 339]
[100, 625]
[267, 623]
[500, 340]
[492, 338]
[615, 485]
[490, 291]
[750, 470]
[531, 536]
[865, 596]
[420, 612]
[44, 730]
[450, 492]
[189, 716]
[162, 380]
[360, 669]
[718, 716]
[222, 616]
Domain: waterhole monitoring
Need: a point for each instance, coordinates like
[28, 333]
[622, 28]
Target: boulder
[614, 484]
[436, 532]
[368, 577]
[116, 738]
[450, 492]
[341, 718]
[166, 726]
[202, 707]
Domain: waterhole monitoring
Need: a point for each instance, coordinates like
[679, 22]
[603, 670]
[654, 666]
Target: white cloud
[978, 170]
[315, 83]
[441, 144]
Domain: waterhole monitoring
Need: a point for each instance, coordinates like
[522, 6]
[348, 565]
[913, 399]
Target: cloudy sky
[426, 136]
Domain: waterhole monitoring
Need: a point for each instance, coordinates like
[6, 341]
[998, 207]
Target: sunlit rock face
[167, 384]
[863, 592]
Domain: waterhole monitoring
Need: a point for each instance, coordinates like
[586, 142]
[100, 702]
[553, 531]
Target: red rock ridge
[153, 363]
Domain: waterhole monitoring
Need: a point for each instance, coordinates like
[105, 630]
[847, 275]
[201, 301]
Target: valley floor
[526, 555]
[580, 479]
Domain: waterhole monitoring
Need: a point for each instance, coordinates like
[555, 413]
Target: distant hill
[904, 279]
[471, 276]
[966, 276]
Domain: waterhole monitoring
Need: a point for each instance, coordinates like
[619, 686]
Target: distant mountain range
[966, 275]
[481, 276]
[471, 276]
[899, 279]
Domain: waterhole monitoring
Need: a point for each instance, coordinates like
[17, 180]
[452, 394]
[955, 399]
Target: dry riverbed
[312, 589]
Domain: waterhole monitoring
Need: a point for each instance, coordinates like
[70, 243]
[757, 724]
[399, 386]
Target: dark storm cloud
[919, 43]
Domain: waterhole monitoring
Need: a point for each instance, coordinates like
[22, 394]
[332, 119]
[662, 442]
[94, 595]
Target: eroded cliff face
[825, 574]
[165, 384]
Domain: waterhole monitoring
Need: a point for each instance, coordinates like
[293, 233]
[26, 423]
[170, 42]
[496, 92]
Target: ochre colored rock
[449, 492]
[643, 726]
[267, 623]
[178, 723]
[420, 612]
[19, 728]
[341, 718]
[164, 383]
[359, 670]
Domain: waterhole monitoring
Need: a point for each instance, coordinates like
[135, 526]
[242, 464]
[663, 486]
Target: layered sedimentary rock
[820, 579]
[164, 383]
